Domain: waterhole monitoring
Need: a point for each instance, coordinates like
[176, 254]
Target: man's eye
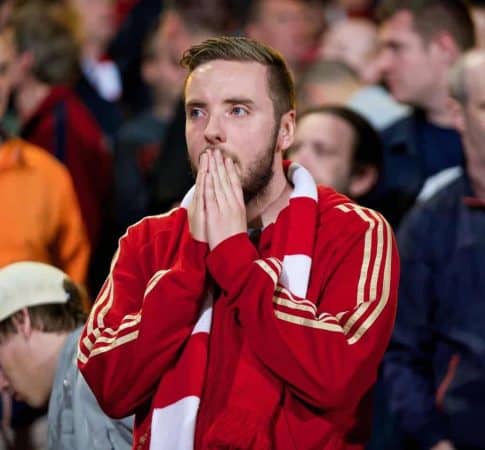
[239, 111]
[195, 113]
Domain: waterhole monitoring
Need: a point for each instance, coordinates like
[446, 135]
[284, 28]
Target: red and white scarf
[176, 403]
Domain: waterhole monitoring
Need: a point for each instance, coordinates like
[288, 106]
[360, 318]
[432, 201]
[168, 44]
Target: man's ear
[286, 133]
[362, 181]
[448, 47]
[22, 323]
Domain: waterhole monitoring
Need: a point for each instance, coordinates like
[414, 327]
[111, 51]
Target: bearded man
[255, 315]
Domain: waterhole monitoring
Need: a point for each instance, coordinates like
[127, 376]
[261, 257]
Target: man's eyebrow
[195, 104]
[239, 100]
[229, 101]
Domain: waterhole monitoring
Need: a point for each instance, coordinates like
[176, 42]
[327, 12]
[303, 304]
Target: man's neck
[437, 107]
[440, 115]
[264, 208]
[29, 96]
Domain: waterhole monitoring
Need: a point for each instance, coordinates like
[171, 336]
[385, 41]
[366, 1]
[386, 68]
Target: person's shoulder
[440, 208]
[80, 117]
[146, 229]
[39, 159]
[399, 131]
[339, 215]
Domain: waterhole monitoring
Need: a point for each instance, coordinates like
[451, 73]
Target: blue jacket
[434, 369]
[414, 149]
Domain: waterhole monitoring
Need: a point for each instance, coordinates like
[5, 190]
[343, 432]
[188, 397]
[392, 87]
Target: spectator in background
[435, 366]
[40, 218]
[139, 141]
[354, 42]
[420, 40]
[40, 324]
[99, 86]
[186, 23]
[334, 83]
[339, 148]
[327, 83]
[285, 25]
[137, 18]
[52, 116]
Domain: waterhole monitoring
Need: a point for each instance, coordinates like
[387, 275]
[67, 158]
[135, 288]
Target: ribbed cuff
[230, 260]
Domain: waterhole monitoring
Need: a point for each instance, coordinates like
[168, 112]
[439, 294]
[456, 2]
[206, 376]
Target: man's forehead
[231, 76]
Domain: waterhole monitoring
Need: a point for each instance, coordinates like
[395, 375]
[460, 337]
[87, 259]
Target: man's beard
[259, 173]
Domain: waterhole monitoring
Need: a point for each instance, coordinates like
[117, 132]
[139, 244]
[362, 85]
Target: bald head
[467, 86]
[351, 41]
[465, 79]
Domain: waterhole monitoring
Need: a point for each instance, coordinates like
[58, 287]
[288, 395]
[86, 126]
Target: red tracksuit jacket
[328, 372]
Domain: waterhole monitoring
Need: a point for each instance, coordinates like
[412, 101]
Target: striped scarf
[246, 421]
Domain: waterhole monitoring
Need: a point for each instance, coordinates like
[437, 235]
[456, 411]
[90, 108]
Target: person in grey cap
[40, 323]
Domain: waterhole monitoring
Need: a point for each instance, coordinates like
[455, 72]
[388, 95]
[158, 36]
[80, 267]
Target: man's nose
[214, 131]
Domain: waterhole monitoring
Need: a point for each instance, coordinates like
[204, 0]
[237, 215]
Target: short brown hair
[280, 83]
[433, 16]
[53, 317]
[47, 32]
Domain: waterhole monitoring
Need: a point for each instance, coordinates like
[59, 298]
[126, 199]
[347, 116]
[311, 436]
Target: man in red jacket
[256, 314]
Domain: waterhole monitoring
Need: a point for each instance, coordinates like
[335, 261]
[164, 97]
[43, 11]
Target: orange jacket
[39, 212]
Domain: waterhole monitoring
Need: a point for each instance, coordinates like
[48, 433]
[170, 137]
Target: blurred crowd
[391, 112]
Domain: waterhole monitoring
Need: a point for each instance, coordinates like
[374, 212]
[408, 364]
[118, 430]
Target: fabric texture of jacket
[64, 126]
[414, 150]
[434, 369]
[324, 349]
[75, 420]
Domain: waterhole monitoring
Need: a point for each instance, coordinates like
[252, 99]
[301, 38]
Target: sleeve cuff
[230, 260]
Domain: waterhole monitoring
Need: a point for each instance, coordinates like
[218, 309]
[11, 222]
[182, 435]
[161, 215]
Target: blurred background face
[352, 41]
[161, 69]
[98, 19]
[324, 146]
[408, 64]
[6, 57]
[285, 25]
